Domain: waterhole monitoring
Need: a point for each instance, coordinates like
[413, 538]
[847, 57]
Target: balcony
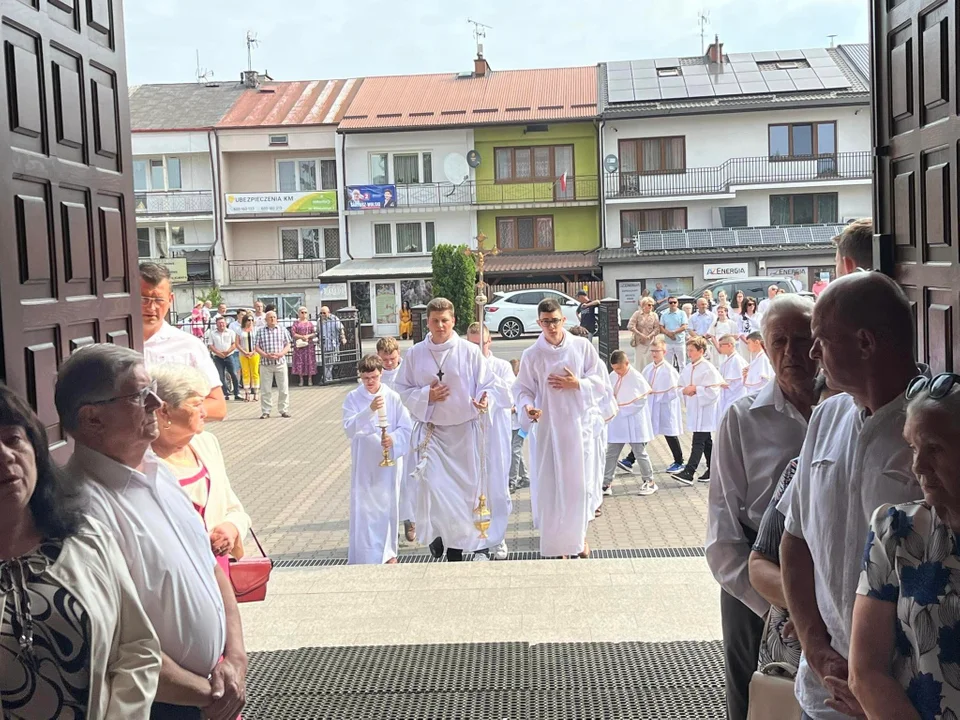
[278, 271]
[580, 190]
[737, 172]
[173, 202]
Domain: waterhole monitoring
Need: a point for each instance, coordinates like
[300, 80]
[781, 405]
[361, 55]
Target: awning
[206, 247]
[553, 262]
[391, 267]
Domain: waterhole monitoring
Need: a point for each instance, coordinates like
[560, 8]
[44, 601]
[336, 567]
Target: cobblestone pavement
[293, 477]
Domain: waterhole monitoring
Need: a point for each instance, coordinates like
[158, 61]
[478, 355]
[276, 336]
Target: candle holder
[386, 462]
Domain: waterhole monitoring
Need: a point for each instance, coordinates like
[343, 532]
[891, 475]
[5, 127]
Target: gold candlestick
[386, 462]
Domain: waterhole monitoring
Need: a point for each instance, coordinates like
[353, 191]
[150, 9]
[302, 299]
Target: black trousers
[672, 442]
[163, 711]
[702, 446]
[224, 367]
[742, 634]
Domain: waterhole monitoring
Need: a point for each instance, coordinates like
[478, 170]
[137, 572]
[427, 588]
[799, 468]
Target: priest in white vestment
[666, 402]
[700, 384]
[388, 350]
[759, 371]
[731, 366]
[631, 424]
[374, 490]
[448, 387]
[561, 378]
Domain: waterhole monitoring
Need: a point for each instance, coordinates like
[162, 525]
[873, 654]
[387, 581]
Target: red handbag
[249, 576]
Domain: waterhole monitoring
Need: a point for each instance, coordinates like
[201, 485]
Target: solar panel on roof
[791, 54]
[724, 78]
[728, 89]
[698, 80]
[668, 82]
[772, 236]
[748, 236]
[650, 241]
[699, 239]
[754, 88]
[618, 66]
[723, 238]
[781, 85]
[802, 74]
[646, 83]
[675, 241]
[672, 93]
[666, 62]
[832, 71]
[743, 67]
[835, 83]
[695, 70]
[642, 64]
[646, 94]
[620, 95]
[824, 233]
[821, 61]
[645, 73]
[814, 53]
[765, 57]
[798, 235]
[808, 84]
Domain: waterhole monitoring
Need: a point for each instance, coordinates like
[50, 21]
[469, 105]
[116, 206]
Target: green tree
[454, 277]
[213, 295]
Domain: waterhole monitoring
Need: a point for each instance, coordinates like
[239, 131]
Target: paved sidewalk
[293, 477]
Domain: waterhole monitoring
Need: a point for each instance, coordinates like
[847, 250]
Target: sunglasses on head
[939, 386]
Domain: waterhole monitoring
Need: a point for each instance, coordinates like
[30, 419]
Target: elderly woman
[304, 334]
[644, 326]
[194, 457]
[905, 643]
[74, 639]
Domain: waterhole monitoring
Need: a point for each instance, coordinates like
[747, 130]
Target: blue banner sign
[366, 197]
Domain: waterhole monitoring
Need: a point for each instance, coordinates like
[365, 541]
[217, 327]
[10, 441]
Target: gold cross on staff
[480, 256]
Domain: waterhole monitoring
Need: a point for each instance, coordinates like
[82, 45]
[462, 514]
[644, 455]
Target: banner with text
[369, 197]
[725, 270]
[321, 201]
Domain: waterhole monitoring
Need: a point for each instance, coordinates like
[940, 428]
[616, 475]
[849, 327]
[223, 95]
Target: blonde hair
[387, 345]
[647, 301]
[698, 342]
[658, 342]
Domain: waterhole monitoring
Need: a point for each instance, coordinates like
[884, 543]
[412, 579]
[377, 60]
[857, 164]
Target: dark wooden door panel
[917, 188]
[67, 270]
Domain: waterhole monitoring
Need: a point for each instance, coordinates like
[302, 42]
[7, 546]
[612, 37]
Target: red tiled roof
[562, 261]
[277, 104]
[504, 96]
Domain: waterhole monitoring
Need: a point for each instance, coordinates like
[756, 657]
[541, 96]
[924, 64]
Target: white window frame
[279, 298]
[148, 161]
[154, 252]
[314, 160]
[393, 238]
[391, 178]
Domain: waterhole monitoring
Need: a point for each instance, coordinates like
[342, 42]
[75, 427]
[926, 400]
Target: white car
[514, 313]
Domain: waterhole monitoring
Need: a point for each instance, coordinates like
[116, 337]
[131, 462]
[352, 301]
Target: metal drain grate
[612, 554]
[491, 681]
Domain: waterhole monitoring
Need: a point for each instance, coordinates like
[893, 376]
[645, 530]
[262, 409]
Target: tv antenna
[252, 44]
[703, 19]
[479, 32]
[203, 75]
[832, 38]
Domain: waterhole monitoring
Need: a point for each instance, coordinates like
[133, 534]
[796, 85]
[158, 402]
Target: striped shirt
[272, 340]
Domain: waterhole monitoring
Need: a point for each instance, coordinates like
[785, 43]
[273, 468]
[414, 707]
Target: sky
[311, 39]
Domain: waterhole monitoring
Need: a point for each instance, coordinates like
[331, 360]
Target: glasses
[142, 395]
[148, 301]
[939, 387]
[552, 322]
[672, 302]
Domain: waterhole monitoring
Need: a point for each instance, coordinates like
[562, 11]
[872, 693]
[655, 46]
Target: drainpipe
[343, 194]
[218, 199]
[600, 186]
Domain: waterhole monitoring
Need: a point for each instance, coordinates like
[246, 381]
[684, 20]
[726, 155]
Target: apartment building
[731, 164]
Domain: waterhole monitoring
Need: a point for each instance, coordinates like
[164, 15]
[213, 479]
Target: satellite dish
[611, 163]
[455, 168]
[473, 159]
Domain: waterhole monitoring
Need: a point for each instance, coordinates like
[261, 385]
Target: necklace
[440, 364]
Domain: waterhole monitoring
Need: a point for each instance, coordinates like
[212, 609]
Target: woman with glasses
[304, 347]
[751, 321]
[74, 639]
[905, 642]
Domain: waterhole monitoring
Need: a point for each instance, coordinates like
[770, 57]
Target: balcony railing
[173, 202]
[739, 171]
[278, 271]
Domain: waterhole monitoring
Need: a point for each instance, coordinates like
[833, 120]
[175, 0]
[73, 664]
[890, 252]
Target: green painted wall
[574, 228]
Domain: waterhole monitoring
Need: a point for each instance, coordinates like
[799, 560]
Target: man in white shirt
[107, 404]
[757, 437]
[702, 320]
[797, 282]
[259, 316]
[163, 343]
[222, 343]
[853, 460]
[765, 303]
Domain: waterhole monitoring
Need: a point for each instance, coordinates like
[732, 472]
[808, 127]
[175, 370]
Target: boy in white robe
[701, 384]
[600, 414]
[561, 379]
[631, 423]
[448, 387]
[388, 350]
[374, 490]
[500, 443]
[731, 368]
[759, 372]
[518, 468]
[666, 402]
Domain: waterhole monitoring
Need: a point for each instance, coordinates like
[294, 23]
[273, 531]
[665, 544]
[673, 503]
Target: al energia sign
[725, 270]
[321, 201]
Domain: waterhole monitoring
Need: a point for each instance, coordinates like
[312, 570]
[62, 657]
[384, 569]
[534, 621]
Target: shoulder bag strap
[259, 546]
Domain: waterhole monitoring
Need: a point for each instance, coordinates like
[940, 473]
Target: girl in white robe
[759, 371]
[374, 490]
[666, 405]
[632, 423]
[731, 369]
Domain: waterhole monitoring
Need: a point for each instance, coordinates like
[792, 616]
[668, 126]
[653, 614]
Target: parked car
[755, 287]
[514, 313]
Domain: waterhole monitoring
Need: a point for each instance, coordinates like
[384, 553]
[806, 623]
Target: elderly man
[222, 343]
[660, 294]
[853, 460]
[107, 404]
[765, 303]
[163, 343]
[273, 344]
[758, 436]
[332, 337]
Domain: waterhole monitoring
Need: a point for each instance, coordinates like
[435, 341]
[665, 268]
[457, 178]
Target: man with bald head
[758, 436]
[854, 459]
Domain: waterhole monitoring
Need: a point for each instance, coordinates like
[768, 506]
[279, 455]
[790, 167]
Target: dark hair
[747, 301]
[153, 274]
[672, 298]
[617, 357]
[57, 502]
[756, 335]
[734, 303]
[270, 308]
[246, 319]
[548, 306]
[370, 363]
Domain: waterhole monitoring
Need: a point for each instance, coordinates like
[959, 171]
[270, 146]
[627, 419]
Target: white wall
[452, 228]
[320, 137]
[256, 172]
[441, 143]
[169, 143]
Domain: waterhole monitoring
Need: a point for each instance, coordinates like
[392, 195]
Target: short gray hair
[92, 373]
[785, 304]
[177, 383]
[950, 403]
[153, 273]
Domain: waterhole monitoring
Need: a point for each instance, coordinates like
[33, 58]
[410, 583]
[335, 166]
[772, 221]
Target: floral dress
[911, 558]
[304, 358]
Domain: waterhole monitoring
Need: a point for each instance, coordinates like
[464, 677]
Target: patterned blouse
[44, 641]
[645, 326]
[912, 559]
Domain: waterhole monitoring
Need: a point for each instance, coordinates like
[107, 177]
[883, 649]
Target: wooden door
[67, 231]
[917, 135]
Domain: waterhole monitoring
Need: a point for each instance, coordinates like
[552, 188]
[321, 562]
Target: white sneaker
[481, 557]
[648, 488]
[608, 491]
[500, 552]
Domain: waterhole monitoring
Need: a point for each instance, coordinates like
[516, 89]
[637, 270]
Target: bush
[454, 277]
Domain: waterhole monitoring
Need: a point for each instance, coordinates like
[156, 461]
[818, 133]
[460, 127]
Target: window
[668, 72]
[286, 305]
[409, 168]
[156, 175]
[806, 209]
[734, 216]
[428, 167]
[803, 140]
[305, 176]
[653, 155]
[406, 169]
[360, 299]
[382, 239]
[525, 233]
[328, 174]
[173, 173]
[307, 243]
[331, 246]
[278, 140]
[378, 169]
[140, 175]
[152, 241]
[410, 237]
[533, 164]
[634, 221]
[431, 236]
[143, 242]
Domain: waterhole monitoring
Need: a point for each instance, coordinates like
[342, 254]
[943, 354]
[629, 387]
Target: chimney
[715, 51]
[250, 79]
[480, 66]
